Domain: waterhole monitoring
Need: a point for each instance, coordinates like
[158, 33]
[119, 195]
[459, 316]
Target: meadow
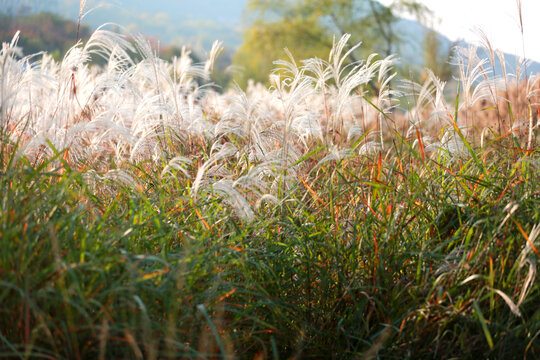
[340, 213]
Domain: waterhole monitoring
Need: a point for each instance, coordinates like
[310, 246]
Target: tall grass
[144, 215]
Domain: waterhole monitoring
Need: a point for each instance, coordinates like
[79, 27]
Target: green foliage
[436, 58]
[264, 42]
[358, 250]
[308, 27]
[366, 257]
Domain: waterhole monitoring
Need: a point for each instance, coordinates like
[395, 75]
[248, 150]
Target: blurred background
[255, 32]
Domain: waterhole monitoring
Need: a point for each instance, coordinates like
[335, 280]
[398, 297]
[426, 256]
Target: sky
[498, 19]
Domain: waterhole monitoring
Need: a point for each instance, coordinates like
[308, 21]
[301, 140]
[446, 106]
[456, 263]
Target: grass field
[145, 215]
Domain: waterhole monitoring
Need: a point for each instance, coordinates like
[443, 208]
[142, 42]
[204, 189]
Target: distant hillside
[196, 23]
[42, 32]
[193, 22]
[411, 50]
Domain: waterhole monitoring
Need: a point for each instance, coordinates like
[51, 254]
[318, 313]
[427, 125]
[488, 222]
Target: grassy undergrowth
[395, 257]
[142, 217]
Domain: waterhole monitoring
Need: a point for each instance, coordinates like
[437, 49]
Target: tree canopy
[307, 28]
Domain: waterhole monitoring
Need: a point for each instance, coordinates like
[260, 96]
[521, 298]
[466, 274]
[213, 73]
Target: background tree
[307, 28]
[437, 56]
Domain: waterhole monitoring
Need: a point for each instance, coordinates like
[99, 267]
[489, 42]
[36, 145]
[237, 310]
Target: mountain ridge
[198, 23]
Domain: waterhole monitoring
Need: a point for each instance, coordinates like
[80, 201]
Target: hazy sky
[457, 19]
[499, 19]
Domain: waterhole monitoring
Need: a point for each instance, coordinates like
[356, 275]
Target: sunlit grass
[143, 216]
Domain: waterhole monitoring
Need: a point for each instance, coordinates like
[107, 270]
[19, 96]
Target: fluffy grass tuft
[144, 215]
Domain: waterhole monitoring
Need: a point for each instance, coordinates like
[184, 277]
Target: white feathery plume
[335, 155]
[122, 177]
[234, 199]
[217, 48]
[371, 147]
[225, 151]
[176, 164]
[321, 70]
[355, 131]
[9, 73]
[526, 259]
[266, 198]
[140, 110]
[474, 75]
[336, 58]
